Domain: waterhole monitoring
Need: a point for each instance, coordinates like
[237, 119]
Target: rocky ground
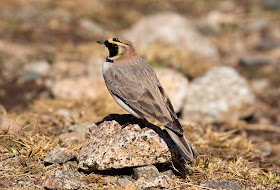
[219, 62]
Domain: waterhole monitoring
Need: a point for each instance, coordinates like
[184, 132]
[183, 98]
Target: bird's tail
[183, 145]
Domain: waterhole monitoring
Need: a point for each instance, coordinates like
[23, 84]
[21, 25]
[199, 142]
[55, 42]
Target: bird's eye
[114, 45]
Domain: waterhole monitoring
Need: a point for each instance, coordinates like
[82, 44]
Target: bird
[134, 85]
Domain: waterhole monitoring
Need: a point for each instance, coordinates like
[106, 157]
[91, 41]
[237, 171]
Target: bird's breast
[105, 67]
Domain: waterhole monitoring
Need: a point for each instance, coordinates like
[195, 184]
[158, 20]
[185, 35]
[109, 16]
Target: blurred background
[218, 60]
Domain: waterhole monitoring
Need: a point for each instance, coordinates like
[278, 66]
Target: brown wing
[137, 86]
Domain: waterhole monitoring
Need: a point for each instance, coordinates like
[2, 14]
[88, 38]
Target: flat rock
[159, 182]
[80, 127]
[172, 29]
[92, 29]
[63, 179]
[68, 115]
[221, 95]
[146, 172]
[72, 138]
[175, 85]
[228, 185]
[78, 88]
[113, 146]
[59, 155]
[267, 43]
[94, 65]
[169, 173]
[271, 4]
[68, 68]
[35, 70]
[253, 61]
[110, 179]
[123, 181]
[212, 23]
[265, 148]
[260, 85]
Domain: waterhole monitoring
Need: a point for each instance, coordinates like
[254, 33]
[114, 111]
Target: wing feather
[137, 85]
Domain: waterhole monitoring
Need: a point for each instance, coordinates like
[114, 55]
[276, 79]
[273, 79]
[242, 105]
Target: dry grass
[222, 155]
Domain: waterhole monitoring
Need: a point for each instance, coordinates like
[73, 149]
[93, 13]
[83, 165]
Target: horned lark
[135, 87]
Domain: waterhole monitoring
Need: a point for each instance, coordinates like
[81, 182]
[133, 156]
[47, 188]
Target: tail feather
[184, 146]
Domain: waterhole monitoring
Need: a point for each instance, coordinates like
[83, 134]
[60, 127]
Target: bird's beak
[101, 42]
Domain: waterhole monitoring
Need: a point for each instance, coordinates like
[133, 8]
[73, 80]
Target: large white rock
[221, 95]
[172, 29]
[78, 88]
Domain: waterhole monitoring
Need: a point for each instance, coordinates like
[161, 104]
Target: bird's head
[118, 48]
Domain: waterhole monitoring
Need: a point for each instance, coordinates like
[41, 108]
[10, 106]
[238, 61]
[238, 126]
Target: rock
[26, 13]
[91, 29]
[113, 146]
[111, 179]
[59, 155]
[35, 70]
[159, 182]
[68, 68]
[67, 114]
[169, 173]
[72, 138]
[59, 14]
[171, 29]
[213, 22]
[126, 187]
[76, 69]
[257, 25]
[146, 172]
[265, 148]
[123, 181]
[175, 85]
[267, 43]
[260, 85]
[221, 95]
[63, 179]
[94, 66]
[80, 127]
[78, 88]
[228, 185]
[271, 4]
[255, 61]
